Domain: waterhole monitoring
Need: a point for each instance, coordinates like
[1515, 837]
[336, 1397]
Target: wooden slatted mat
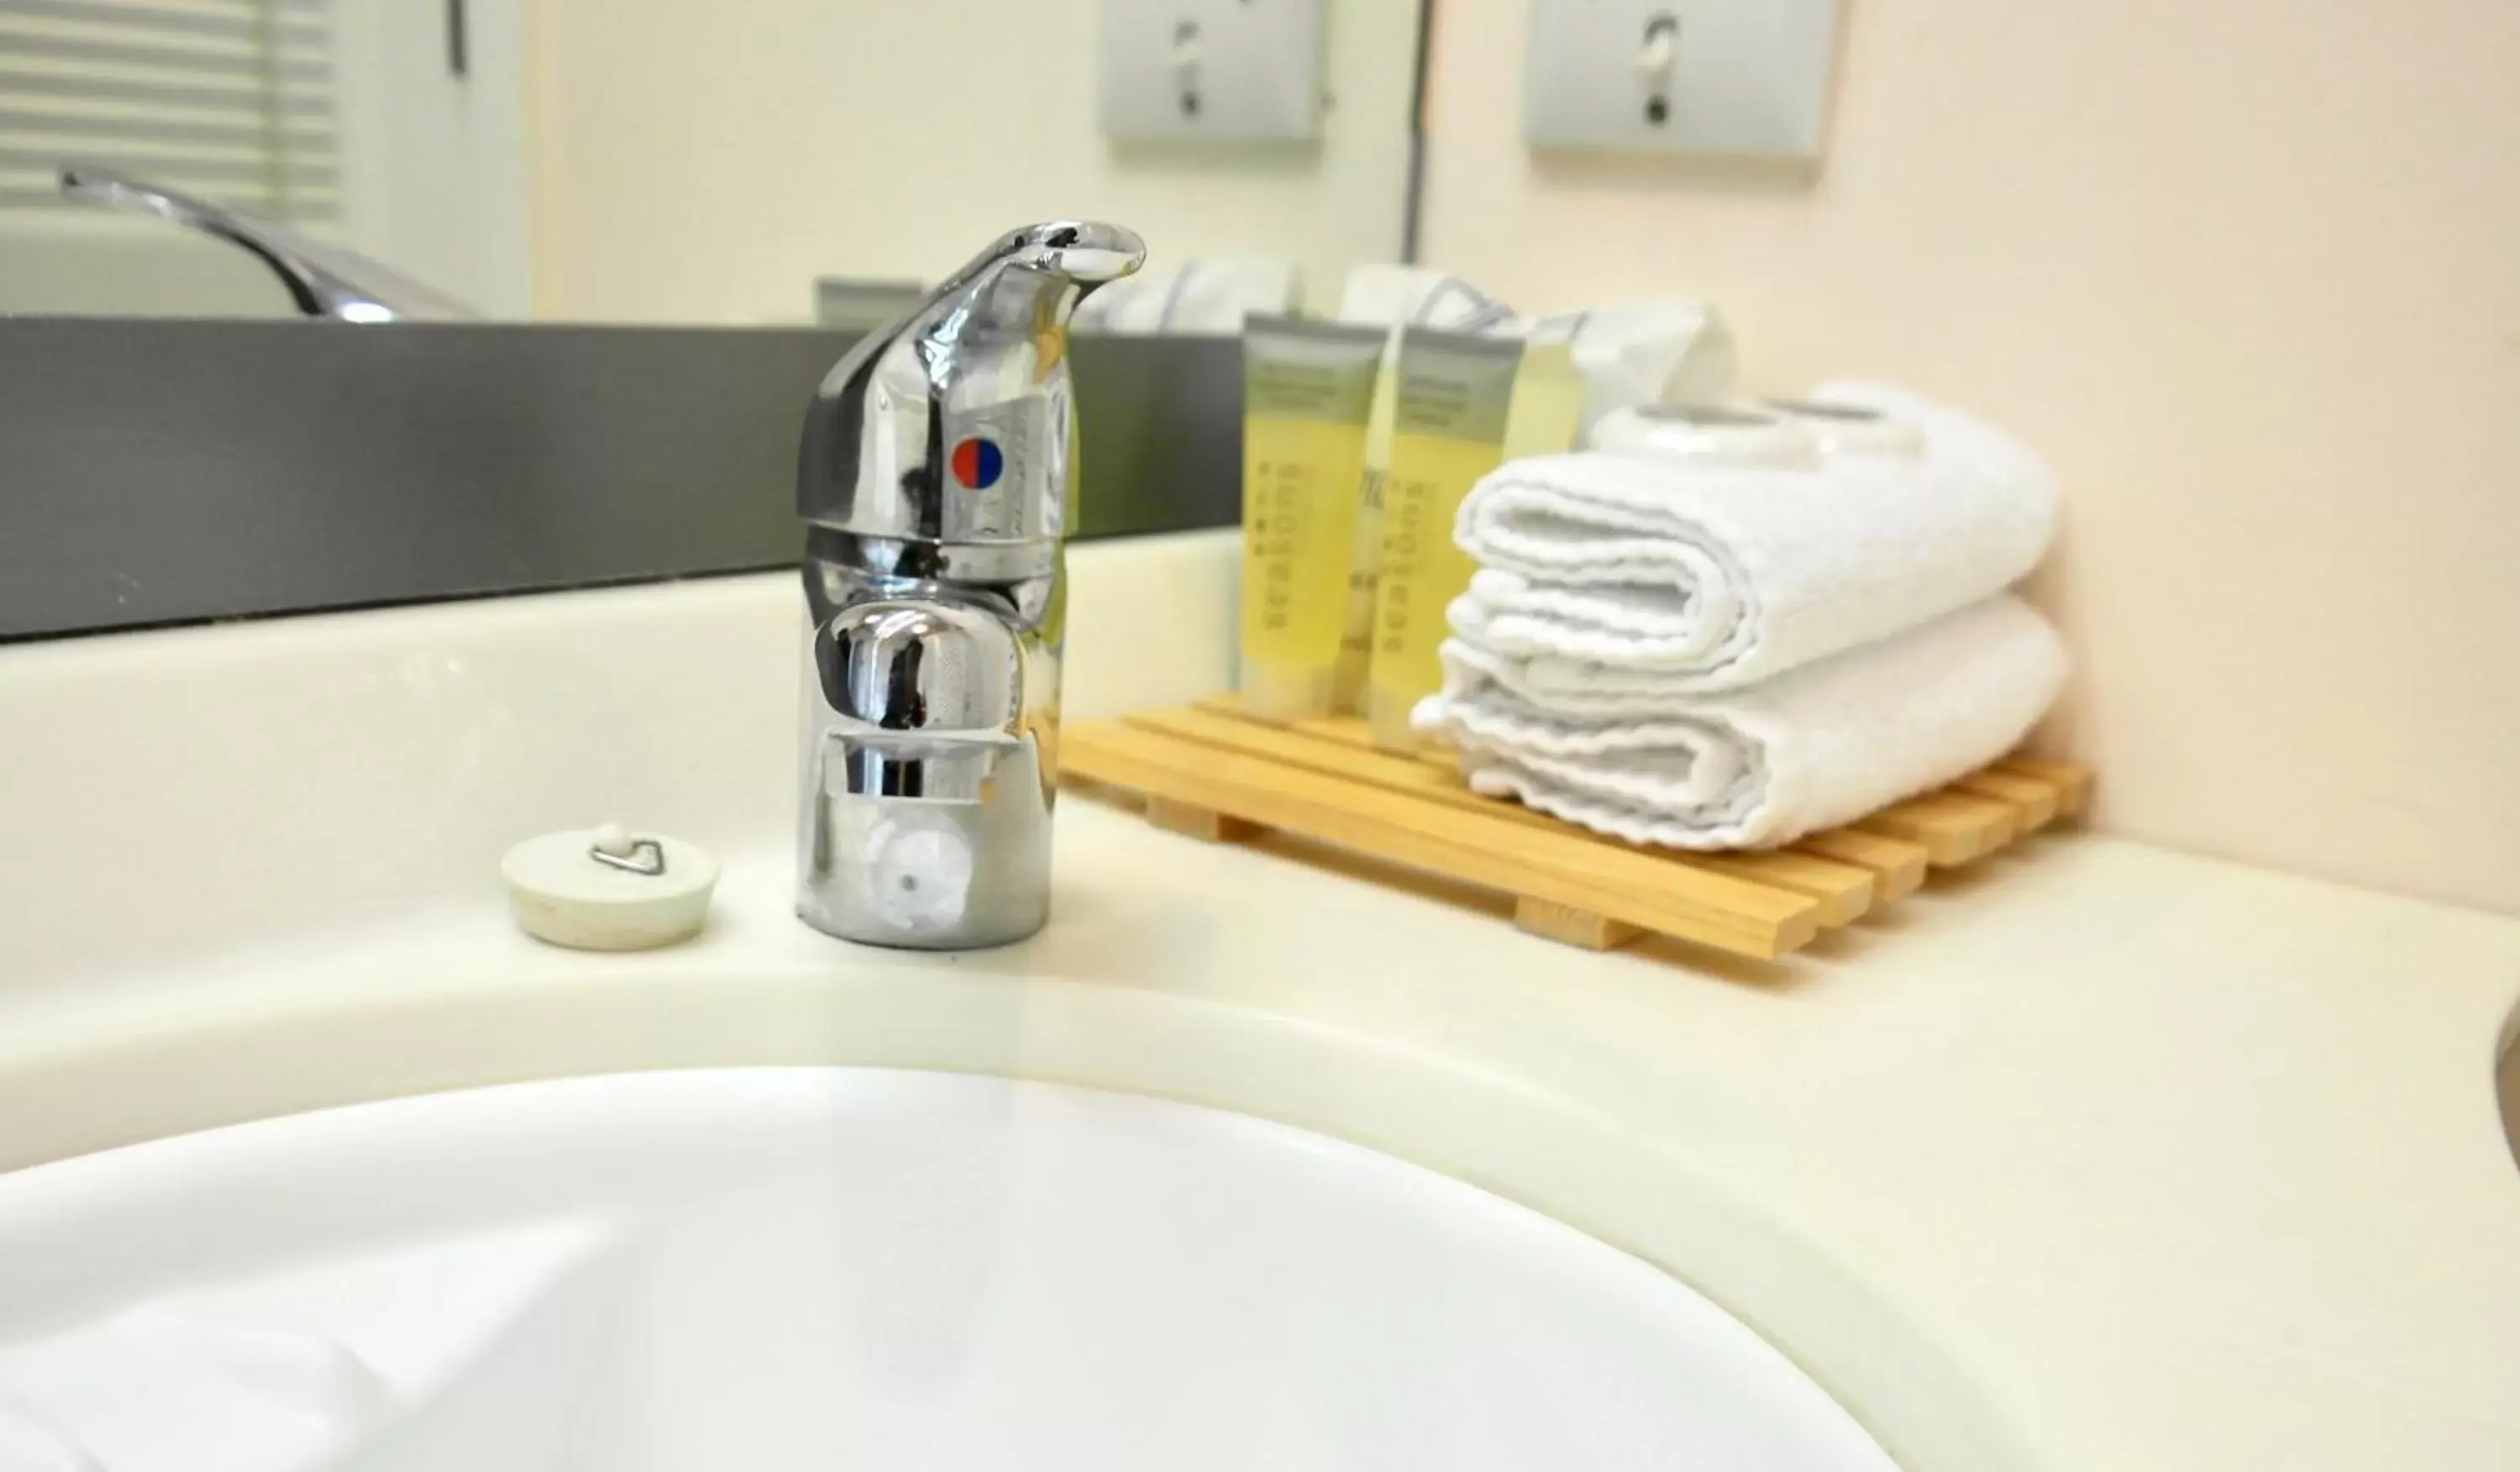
[1216, 773]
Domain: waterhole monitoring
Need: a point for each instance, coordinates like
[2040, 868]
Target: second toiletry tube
[1456, 392]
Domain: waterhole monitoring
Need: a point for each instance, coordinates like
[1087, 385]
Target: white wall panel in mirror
[393, 127]
[707, 163]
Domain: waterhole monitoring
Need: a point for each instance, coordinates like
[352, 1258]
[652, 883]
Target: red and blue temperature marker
[978, 463]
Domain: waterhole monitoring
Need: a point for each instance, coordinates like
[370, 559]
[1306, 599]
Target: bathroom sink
[772, 1268]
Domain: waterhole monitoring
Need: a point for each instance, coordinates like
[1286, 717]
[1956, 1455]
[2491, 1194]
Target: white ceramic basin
[772, 1268]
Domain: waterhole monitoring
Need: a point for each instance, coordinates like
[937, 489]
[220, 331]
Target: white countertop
[2097, 1156]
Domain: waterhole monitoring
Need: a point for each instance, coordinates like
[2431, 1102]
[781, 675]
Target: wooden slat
[1572, 926]
[1202, 823]
[1345, 730]
[2034, 802]
[1481, 848]
[1844, 891]
[1956, 828]
[1898, 866]
[2073, 784]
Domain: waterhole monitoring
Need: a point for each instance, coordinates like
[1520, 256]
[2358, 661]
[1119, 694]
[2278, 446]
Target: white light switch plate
[1225, 70]
[1736, 78]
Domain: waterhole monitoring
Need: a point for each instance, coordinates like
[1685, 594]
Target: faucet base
[912, 942]
[915, 938]
[928, 875]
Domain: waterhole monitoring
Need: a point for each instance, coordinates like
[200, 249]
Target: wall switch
[1225, 70]
[1728, 78]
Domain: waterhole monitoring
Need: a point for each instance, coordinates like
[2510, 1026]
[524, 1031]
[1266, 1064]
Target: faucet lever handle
[952, 427]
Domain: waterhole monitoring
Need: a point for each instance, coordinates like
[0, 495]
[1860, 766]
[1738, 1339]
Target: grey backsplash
[160, 472]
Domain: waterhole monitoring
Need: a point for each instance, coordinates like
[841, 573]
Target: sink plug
[607, 889]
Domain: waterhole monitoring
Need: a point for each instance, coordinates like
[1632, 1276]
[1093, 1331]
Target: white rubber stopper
[563, 894]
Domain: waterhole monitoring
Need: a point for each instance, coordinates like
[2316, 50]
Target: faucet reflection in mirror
[934, 480]
[323, 281]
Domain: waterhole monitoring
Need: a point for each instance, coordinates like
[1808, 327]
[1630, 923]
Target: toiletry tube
[1455, 400]
[1550, 393]
[1708, 435]
[1307, 387]
[1850, 429]
[1365, 554]
[1397, 299]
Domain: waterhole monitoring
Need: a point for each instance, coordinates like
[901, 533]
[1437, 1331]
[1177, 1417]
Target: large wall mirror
[729, 162]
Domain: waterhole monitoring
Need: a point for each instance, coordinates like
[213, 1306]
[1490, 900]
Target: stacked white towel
[1715, 656]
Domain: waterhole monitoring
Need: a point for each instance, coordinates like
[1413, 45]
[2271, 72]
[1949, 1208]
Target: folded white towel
[1818, 746]
[1707, 577]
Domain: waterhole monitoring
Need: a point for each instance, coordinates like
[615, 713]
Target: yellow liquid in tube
[1455, 395]
[1356, 646]
[1308, 388]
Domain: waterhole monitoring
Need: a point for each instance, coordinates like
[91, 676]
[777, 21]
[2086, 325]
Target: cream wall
[2247, 271]
[705, 161]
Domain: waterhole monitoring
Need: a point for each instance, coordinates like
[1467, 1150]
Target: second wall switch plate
[1719, 78]
[1222, 70]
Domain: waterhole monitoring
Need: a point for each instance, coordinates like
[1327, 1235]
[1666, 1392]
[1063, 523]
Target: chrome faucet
[323, 281]
[934, 480]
